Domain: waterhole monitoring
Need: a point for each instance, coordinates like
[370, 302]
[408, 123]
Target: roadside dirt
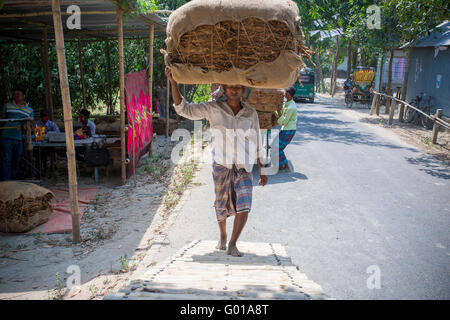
[117, 228]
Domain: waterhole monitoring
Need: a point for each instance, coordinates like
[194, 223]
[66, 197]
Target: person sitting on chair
[45, 121]
[84, 119]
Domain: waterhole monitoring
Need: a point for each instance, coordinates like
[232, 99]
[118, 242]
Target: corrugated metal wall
[424, 69]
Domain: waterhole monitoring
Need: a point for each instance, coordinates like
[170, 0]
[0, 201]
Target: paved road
[358, 198]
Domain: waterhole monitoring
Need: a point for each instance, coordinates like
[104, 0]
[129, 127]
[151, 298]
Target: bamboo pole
[47, 74]
[49, 13]
[122, 92]
[65, 94]
[80, 61]
[167, 107]
[150, 78]
[108, 56]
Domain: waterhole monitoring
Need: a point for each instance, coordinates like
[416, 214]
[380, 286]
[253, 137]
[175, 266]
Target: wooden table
[53, 145]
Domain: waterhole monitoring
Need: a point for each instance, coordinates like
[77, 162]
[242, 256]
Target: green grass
[37, 238]
[180, 181]
[21, 246]
[125, 263]
[155, 167]
[97, 234]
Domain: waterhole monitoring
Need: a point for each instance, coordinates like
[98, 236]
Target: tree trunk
[319, 67]
[377, 110]
[362, 58]
[355, 58]
[110, 109]
[80, 62]
[389, 84]
[405, 80]
[334, 73]
[349, 58]
[47, 74]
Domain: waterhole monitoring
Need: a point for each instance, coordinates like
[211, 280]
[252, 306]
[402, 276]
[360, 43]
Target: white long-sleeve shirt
[236, 139]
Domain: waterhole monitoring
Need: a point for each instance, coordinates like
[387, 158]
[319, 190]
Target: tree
[413, 19]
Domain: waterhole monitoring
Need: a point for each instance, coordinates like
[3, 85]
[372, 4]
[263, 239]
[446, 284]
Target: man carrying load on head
[231, 120]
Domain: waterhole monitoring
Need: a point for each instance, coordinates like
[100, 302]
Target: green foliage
[170, 4]
[202, 93]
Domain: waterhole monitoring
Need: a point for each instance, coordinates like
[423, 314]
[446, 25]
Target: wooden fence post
[65, 95]
[401, 112]
[377, 108]
[374, 102]
[436, 126]
[391, 111]
[388, 101]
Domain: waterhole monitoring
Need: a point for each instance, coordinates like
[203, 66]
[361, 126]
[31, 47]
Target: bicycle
[348, 89]
[415, 117]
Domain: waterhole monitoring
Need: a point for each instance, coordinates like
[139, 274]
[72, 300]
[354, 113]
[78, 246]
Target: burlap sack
[23, 206]
[265, 120]
[255, 43]
[266, 100]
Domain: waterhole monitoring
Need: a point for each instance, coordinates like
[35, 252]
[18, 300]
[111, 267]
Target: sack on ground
[23, 206]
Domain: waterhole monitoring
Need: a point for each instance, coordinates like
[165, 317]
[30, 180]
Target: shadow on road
[430, 166]
[280, 177]
[315, 125]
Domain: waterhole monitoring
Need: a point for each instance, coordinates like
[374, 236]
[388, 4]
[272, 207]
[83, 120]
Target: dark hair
[85, 113]
[45, 113]
[291, 91]
[19, 89]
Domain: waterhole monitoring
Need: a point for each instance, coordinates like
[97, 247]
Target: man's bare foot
[233, 250]
[222, 245]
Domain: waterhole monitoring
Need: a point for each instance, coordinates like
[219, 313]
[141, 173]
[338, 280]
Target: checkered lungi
[284, 139]
[233, 190]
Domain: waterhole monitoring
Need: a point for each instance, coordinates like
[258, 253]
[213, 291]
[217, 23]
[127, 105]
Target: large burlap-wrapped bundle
[266, 100]
[23, 206]
[255, 43]
[265, 120]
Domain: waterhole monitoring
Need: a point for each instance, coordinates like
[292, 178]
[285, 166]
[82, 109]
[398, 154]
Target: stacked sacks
[23, 206]
[266, 101]
[256, 43]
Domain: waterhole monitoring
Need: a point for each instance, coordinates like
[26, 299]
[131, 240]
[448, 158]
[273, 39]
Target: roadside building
[430, 68]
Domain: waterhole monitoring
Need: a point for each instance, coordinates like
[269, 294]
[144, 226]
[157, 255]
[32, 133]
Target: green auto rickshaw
[305, 90]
